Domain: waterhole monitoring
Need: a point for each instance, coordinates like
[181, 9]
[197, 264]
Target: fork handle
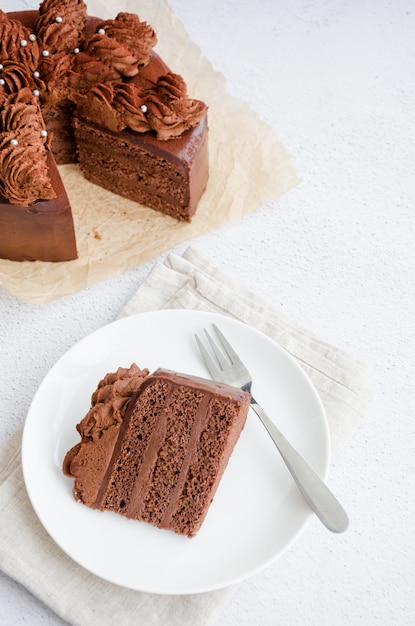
[319, 497]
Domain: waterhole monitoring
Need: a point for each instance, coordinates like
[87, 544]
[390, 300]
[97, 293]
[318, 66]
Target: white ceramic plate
[257, 511]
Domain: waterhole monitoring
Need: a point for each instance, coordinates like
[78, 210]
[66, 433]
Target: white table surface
[335, 79]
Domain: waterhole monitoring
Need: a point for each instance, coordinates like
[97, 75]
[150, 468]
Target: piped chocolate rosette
[59, 30]
[116, 51]
[109, 401]
[14, 77]
[124, 44]
[23, 150]
[18, 43]
[101, 425]
[60, 25]
[73, 63]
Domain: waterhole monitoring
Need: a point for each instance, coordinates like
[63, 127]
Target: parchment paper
[248, 168]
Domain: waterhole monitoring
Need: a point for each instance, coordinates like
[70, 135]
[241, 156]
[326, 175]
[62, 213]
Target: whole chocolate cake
[109, 102]
[154, 447]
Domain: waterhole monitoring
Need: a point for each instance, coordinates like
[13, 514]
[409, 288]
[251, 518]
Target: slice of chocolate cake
[156, 451]
[169, 177]
[147, 143]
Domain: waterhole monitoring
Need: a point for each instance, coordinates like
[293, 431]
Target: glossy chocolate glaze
[202, 384]
[43, 231]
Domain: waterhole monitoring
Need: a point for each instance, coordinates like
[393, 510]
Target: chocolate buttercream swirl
[170, 111]
[60, 24]
[17, 43]
[97, 105]
[87, 71]
[130, 104]
[110, 400]
[115, 106]
[24, 174]
[21, 111]
[124, 44]
[14, 77]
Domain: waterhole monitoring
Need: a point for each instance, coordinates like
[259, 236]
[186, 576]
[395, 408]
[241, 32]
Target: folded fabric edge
[10, 454]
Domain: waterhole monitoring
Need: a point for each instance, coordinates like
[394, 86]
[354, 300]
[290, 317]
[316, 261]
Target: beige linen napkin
[30, 556]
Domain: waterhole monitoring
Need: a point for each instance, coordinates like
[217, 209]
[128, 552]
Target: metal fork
[232, 371]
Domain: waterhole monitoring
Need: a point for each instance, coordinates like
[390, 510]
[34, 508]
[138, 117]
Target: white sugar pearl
[36, 93]
[1, 66]
[58, 19]
[101, 31]
[43, 133]
[2, 82]
[45, 53]
[143, 108]
[23, 43]
[76, 51]
[36, 74]
[14, 142]
[32, 37]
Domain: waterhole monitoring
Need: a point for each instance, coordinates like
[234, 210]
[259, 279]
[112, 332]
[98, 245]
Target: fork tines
[220, 362]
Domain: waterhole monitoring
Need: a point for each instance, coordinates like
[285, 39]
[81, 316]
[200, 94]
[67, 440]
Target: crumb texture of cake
[58, 122]
[162, 459]
[105, 100]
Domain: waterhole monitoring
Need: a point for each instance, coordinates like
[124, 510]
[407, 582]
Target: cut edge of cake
[43, 231]
[169, 177]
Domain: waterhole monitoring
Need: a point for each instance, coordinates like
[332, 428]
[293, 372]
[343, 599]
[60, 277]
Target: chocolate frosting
[59, 29]
[53, 71]
[62, 61]
[170, 111]
[23, 170]
[165, 109]
[85, 71]
[14, 77]
[124, 44]
[60, 24]
[97, 106]
[16, 43]
[109, 403]
[110, 400]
